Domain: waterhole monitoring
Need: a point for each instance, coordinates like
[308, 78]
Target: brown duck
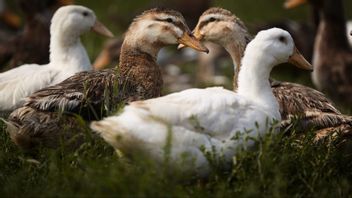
[332, 57]
[311, 107]
[49, 114]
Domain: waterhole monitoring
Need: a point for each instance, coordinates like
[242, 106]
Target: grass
[280, 166]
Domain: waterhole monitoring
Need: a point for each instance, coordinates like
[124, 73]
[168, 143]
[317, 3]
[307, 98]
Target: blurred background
[180, 66]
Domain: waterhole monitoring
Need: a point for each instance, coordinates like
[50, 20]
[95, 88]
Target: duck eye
[169, 20]
[212, 19]
[85, 14]
[282, 39]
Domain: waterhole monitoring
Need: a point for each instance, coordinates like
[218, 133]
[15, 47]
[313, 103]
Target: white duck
[196, 121]
[67, 57]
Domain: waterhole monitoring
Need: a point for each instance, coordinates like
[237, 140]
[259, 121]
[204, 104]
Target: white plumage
[349, 31]
[204, 120]
[67, 57]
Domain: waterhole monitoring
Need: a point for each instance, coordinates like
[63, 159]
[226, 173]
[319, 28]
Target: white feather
[203, 120]
[67, 57]
[349, 29]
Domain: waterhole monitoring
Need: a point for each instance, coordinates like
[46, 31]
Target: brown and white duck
[332, 57]
[48, 112]
[312, 107]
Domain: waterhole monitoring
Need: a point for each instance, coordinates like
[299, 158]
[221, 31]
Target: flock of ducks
[44, 100]
[311, 106]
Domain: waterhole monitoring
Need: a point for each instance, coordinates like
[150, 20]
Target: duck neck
[236, 47]
[253, 81]
[67, 51]
[138, 63]
[332, 26]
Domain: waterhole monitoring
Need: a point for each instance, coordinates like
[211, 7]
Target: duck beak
[196, 35]
[102, 60]
[99, 28]
[190, 41]
[11, 19]
[299, 61]
[289, 4]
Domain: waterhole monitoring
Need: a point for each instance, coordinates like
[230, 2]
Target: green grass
[280, 165]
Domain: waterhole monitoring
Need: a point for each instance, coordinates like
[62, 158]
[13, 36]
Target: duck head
[220, 26]
[158, 27]
[279, 47]
[75, 20]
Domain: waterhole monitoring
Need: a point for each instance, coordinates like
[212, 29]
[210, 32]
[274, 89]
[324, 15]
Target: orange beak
[100, 28]
[196, 34]
[191, 41]
[289, 4]
[299, 61]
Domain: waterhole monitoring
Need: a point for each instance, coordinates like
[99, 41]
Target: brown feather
[91, 94]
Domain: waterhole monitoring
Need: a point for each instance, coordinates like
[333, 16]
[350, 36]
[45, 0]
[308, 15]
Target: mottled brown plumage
[297, 98]
[94, 94]
[296, 101]
[309, 106]
[90, 94]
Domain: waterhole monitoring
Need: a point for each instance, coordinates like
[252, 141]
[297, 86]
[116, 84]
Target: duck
[31, 43]
[312, 107]
[67, 57]
[46, 114]
[196, 123]
[332, 56]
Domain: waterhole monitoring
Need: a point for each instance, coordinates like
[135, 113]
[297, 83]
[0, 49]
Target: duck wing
[18, 83]
[215, 112]
[90, 94]
[309, 105]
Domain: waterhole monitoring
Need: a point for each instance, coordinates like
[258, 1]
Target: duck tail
[343, 126]
[106, 129]
[114, 133]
